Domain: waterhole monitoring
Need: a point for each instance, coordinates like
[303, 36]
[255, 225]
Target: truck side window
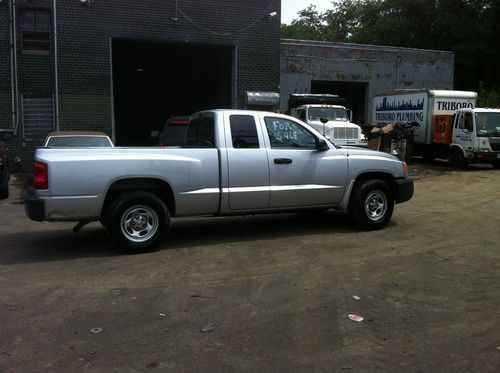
[201, 133]
[244, 131]
[468, 122]
[284, 133]
[302, 115]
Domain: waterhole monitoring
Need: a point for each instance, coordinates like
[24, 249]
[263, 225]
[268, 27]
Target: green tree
[307, 27]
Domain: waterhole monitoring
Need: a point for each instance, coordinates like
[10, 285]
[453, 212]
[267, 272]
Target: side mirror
[321, 145]
[154, 135]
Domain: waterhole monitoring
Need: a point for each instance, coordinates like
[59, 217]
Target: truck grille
[495, 144]
[345, 133]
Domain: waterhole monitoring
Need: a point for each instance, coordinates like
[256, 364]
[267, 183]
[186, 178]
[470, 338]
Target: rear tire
[496, 165]
[371, 205]
[137, 221]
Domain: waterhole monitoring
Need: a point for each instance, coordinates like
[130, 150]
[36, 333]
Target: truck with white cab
[234, 162]
[450, 124]
[324, 113]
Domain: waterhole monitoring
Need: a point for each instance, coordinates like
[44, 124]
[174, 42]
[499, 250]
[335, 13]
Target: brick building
[357, 72]
[124, 66]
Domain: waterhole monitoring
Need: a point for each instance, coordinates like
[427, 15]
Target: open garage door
[353, 92]
[154, 81]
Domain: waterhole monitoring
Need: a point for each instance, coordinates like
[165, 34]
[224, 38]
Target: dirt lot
[278, 287]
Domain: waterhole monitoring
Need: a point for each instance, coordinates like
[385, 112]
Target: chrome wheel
[139, 223]
[375, 205]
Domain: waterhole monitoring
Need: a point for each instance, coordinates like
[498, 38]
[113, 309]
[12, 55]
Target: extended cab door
[248, 167]
[301, 175]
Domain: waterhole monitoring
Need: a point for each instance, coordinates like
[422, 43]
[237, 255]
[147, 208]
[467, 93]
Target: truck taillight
[41, 175]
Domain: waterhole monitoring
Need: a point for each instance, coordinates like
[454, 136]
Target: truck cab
[475, 137]
[338, 129]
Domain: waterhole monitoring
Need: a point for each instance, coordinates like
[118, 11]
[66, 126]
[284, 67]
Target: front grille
[495, 144]
[345, 133]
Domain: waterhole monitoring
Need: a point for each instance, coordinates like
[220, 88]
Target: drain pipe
[13, 66]
[56, 72]
[12, 87]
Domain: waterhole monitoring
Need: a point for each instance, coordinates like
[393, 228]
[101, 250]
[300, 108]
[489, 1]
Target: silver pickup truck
[234, 162]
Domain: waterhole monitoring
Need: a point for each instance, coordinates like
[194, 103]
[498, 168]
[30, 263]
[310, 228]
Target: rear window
[201, 133]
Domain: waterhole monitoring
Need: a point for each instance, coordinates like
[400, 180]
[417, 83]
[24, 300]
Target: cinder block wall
[381, 68]
[84, 39]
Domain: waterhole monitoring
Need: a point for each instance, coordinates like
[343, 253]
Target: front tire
[371, 205]
[137, 221]
[457, 158]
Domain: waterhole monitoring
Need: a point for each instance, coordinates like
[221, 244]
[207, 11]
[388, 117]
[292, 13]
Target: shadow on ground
[92, 241]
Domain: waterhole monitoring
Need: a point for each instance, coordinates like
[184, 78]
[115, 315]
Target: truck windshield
[488, 124]
[316, 113]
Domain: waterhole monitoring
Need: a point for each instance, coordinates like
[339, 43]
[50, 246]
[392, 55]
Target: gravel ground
[279, 289]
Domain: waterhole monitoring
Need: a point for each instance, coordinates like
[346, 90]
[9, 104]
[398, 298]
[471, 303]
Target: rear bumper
[34, 208]
[404, 190]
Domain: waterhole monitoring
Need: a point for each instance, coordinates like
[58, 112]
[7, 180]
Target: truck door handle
[282, 160]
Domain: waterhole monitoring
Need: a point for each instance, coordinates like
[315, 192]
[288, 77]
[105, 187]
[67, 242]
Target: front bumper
[486, 157]
[404, 190]
[34, 208]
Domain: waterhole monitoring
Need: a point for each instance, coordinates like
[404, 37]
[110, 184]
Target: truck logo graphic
[399, 105]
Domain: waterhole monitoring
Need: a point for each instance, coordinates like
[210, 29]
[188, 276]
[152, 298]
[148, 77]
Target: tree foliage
[469, 28]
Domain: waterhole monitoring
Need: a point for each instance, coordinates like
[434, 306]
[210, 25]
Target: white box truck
[450, 125]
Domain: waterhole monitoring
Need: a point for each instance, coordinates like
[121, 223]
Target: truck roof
[298, 99]
[322, 105]
[431, 92]
[482, 110]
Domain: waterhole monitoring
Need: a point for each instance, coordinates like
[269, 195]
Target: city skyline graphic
[399, 105]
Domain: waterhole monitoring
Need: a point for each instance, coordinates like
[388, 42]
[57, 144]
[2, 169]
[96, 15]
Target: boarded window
[35, 27]
[38, 118]
[244, 131]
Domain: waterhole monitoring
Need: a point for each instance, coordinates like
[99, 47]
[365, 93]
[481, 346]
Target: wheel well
[387, 178]
[156, 186]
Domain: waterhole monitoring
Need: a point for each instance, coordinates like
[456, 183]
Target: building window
[35, 27]
[38, 118]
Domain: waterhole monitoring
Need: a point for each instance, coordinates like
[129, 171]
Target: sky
[289, 8]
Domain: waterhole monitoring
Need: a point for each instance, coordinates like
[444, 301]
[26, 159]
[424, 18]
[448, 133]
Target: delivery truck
[448, 123]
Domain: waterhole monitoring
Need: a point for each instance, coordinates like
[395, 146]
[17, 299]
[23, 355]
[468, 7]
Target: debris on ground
[209, 327]
[356, 297]
[354, 317]
[96, 330]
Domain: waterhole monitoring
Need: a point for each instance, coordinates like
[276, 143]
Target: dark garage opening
[154, 81]
[353, 92]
